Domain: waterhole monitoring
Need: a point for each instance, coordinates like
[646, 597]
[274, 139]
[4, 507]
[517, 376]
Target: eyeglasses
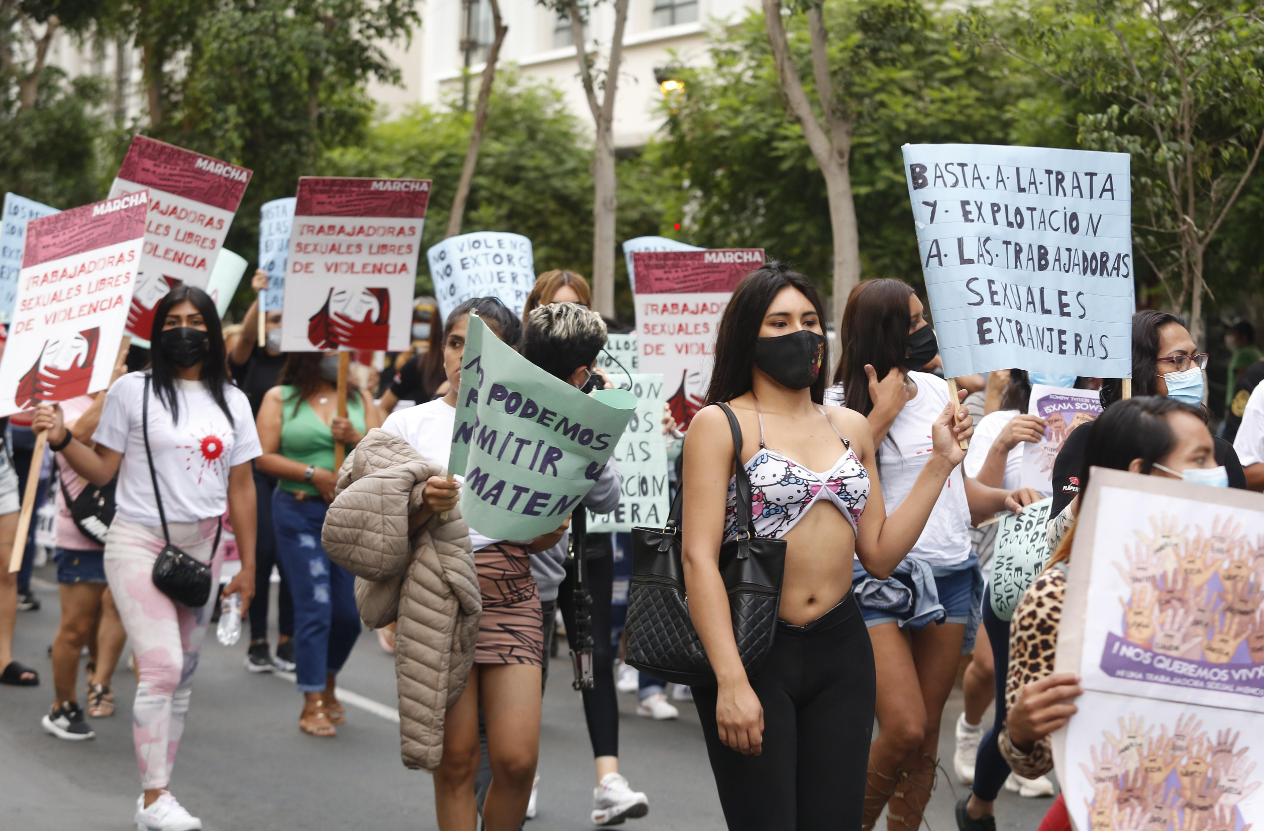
[1181, 363]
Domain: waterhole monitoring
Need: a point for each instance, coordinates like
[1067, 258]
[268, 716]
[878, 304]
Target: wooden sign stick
[1126, 388]
[956, 401]
[28, 502]
[262, 317]
[344, 367]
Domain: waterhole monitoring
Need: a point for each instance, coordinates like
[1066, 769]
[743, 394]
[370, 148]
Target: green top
[1241, 359]
[307, 439]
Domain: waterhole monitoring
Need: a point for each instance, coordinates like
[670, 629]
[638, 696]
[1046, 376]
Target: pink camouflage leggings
[166, 636]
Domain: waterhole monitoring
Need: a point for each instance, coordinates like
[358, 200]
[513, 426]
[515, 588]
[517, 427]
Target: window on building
[480, 29]
[673, 12]
[563, 32]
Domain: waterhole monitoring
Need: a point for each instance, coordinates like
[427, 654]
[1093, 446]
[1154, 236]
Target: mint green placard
[642, 458]
[529, 445]
[1022, 551]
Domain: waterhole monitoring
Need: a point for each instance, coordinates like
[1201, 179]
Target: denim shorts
[79, 566]
[955, 586]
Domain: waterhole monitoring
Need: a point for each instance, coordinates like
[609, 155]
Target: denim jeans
[265, 558]
[326, 622]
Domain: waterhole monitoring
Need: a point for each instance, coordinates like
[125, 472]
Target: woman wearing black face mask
[182, 425]
[789, 747]
[919, 618]
[298, 425]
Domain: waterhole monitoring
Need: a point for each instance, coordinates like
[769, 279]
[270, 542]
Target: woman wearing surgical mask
[924, 616]
[1165, 362]
[298, 425]
[183, 426]
[789, 748]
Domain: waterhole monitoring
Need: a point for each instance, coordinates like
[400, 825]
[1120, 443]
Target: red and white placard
[680, 298]
[192, 199]
[352, 265]
[74, 290]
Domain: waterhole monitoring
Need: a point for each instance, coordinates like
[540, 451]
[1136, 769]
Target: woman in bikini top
[814, 483]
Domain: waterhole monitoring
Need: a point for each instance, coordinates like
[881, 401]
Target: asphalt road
[243, 763]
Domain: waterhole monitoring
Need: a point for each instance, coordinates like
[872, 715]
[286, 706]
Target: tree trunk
[28, 84]
[605, 205]
[151, 65]
[846, 236]
[1196, 297]
[480, 121]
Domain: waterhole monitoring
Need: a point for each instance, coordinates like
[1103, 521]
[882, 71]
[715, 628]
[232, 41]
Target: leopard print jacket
[1033, 640]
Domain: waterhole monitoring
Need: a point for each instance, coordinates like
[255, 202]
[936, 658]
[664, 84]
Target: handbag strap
[149, 457]
[743, 506]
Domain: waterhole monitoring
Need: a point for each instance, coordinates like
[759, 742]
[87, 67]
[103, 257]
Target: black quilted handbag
[661, 639]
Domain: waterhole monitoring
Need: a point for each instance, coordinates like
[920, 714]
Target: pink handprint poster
[78, 271]
[352, 264]
[1162, 620]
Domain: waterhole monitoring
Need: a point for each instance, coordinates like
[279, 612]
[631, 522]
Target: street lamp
[667, 79]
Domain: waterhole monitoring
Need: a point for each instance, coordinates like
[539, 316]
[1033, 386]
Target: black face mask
[184, 347]
[922, 348]
[793, 360]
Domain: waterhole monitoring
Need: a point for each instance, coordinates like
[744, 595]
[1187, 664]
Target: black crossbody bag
[92, 510]
[661, 638]
[177, 574]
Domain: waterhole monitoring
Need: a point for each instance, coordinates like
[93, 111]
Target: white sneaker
[657, 708]
[165, 815]
[680, 692]
[968, 738]
[614, 801]
[627, 680]
[535, 795]
[1029, 788]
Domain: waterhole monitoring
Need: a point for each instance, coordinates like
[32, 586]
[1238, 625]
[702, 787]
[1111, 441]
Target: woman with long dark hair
[884, 331]
[298, 426]
[788, 748]
[200, 441]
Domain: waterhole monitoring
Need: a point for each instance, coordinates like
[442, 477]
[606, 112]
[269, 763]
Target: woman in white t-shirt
[202, 438]
[885, 336]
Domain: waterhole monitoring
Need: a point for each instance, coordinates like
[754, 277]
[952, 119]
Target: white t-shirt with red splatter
[192, 457]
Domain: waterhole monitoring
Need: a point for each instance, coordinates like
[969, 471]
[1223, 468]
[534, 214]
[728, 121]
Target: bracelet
[57, 448]
[311, 471]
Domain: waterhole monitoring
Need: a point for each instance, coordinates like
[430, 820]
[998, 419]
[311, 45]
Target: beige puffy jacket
[426, 584]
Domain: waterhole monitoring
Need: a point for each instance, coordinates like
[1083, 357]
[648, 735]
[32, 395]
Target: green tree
[1177, 84]
[744, 172]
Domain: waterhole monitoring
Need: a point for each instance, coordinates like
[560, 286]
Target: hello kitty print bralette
[782, 490]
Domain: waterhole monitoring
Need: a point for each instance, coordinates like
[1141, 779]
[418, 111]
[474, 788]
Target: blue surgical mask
[1186, 386]
[1215, 477]
[1052, 380]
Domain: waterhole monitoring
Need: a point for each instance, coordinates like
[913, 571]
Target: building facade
[659, 34]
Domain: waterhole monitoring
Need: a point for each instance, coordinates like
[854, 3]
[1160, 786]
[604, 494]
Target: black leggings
[265, 558]
[601, 705]
[817, 690]
[990, 768]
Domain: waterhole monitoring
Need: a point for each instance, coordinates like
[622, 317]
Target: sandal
[19, 675]
[100, 701]
[314, 721]
[337, 712]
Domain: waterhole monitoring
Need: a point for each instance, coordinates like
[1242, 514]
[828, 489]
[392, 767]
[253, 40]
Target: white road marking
[354, 699]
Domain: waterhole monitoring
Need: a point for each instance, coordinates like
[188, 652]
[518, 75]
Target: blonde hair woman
[557, 286]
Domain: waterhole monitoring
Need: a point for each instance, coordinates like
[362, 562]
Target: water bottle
[229, 629]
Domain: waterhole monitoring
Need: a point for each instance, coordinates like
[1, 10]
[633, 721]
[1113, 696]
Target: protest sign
[1021, 552]
[229, 269]
[74, 291]
[1027, 254]
[641, 455]
[18, 211]
[640, 245]
[680, 298]
[1064, 409]
[192, 199]
[482, 264]
[619, 358]
[1161, 619]
[352, 264]
[275, 219]
[528, 444]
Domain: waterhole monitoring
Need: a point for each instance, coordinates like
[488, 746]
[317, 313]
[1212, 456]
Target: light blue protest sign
[1027, 254]
[275, 219]
[619, 358]
[18, 211]
[641, 455]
